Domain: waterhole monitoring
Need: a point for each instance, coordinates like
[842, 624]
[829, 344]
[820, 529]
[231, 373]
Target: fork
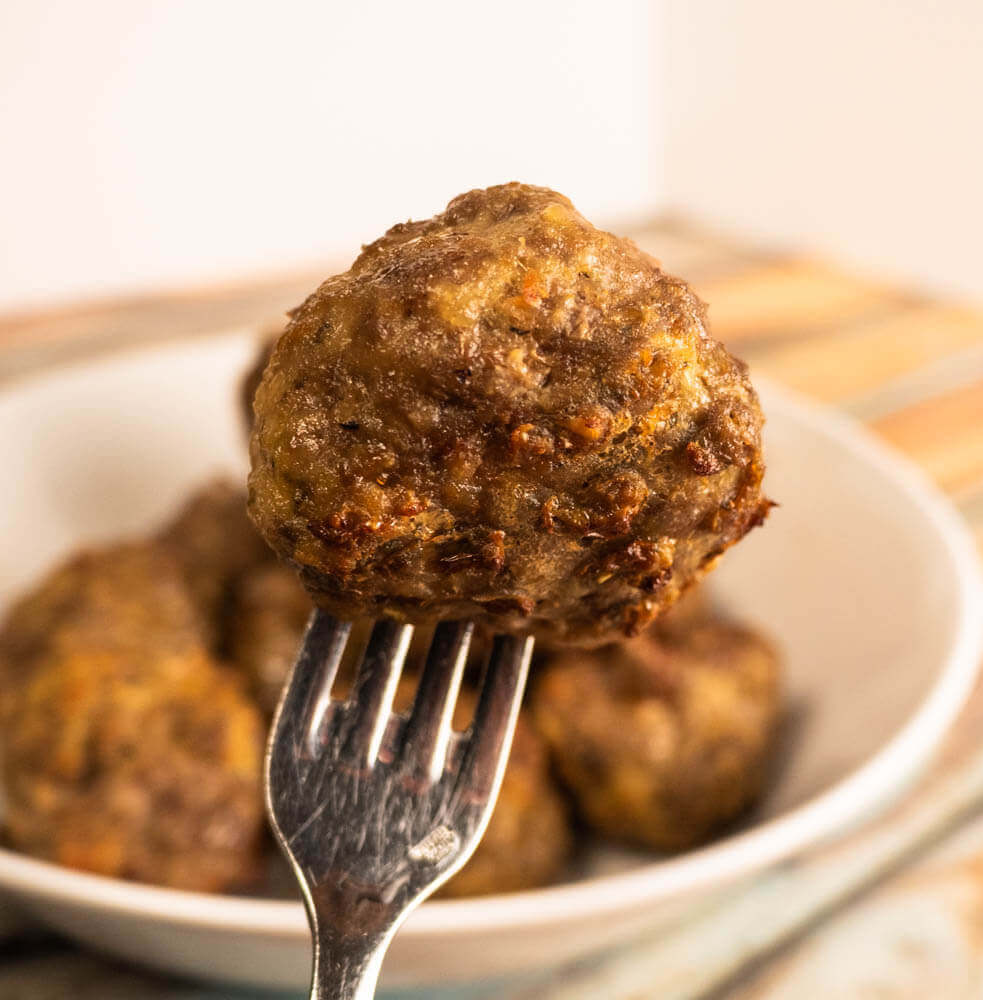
[374, 810]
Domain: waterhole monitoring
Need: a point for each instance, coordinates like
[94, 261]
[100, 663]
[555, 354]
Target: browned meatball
[694, 608]
[214, 542]
[269, 611]
[662, 744]
[503, 413]
[529, 839]
[254, 375]
[126, 749]
[123, 598]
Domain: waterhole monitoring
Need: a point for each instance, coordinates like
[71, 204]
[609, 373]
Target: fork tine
[375, 687]
[495, 716]
[429, 726]
[308, 693]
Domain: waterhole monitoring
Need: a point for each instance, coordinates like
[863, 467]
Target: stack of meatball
[501, 414]
[139, 679]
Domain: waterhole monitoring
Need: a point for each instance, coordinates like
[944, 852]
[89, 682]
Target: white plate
[864, 574]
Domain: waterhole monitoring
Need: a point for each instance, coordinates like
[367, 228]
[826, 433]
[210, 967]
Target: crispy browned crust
[506, 414]
[125, 749]
[659, 742]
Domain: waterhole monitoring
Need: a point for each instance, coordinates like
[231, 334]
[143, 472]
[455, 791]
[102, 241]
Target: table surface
[911, 367]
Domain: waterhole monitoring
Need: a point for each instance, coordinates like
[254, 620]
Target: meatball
[529, 838]
[214, 542]
[504, 414]
[126, 749]
[660, 745]
[124, 598]
[254, 374]
[269, 611]
[694, 608]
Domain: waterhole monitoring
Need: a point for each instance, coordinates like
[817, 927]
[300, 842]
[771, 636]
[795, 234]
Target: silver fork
[374, 810]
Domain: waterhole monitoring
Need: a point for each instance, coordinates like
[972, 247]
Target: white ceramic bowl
[864, 574]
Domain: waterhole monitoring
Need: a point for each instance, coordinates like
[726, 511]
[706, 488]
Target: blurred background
[152, 144]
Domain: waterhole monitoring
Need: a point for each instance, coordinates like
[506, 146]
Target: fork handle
[347, 969]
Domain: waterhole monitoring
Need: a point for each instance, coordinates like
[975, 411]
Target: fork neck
[347, 969]
[351, 931]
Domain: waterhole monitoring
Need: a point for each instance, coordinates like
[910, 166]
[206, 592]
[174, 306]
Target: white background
[850, 126]
[151, 143]
[194, 139]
